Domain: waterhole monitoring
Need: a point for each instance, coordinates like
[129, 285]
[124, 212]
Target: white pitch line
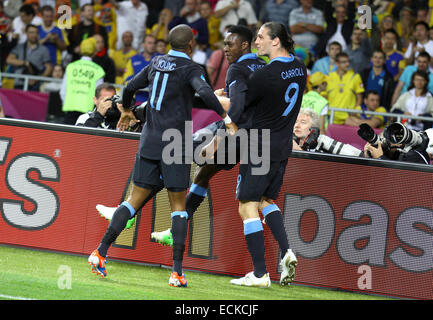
[14, 298]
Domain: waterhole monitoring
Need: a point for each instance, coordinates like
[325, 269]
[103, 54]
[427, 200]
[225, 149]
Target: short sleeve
[358, 85]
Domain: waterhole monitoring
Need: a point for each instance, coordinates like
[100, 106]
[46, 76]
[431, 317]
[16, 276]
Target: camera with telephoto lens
[395, 133]
[368, 134]
[320, 142]
[398, 133]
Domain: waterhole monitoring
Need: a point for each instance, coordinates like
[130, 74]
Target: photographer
[306, 136]
[397, 143]
[106, 113]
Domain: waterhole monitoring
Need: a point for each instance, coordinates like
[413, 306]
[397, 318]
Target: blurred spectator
[154, 7]
[422, 15]
[35, 5]
[217, 66]
[395, 62]
[400, 5]
[359, 50]
[175, 6]
[371, 103]
[30, 58]
[199, 55]
[214, 2]
[233, 12]
[338, 29]
[404, 26]
[190, 16]
[54, 109]
[131, 16]
[138, 62]
[280, 11]
[213, 24]
[27, 15]
[5, 21]
[12, 8]
[161, 30]
[123, 55]
[420, 43]
[50, 35]
[57, 73]
[97, 6]
[422, 64]
[259, 7]
[102, 59]
[6, 42]
[378, 31]
[344, 89]
[418, 101]
[79, 83]
[81, 3]
[306, 24]
[378, 79]
[84, 29]
[315, 101]
[327, 64]
[161, 46]
[106, 17]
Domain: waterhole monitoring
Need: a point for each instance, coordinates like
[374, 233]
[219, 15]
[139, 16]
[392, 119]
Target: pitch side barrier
[357, 224]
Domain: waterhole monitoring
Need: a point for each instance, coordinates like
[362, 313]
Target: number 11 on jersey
[161, 92]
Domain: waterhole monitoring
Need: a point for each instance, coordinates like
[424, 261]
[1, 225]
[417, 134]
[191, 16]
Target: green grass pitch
[41, 275]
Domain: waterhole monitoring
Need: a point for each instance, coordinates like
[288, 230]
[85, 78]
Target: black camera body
[114, 101]
[311, 140]
[113, 113]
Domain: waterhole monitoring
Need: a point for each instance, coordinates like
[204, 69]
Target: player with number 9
[275, 91]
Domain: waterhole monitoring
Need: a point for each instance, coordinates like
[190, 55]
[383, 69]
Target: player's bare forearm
[225, 102]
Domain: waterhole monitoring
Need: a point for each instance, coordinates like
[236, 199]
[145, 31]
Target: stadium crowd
[348, 67]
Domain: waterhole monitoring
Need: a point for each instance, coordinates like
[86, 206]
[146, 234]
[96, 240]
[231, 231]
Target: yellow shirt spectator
[213, 25]
[342, 93]
[121, 59]
[106, 17]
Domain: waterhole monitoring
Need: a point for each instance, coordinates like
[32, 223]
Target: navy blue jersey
[275, 92]
[173, 80]
[236, 87]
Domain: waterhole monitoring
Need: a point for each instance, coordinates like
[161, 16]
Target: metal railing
[399, 116]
